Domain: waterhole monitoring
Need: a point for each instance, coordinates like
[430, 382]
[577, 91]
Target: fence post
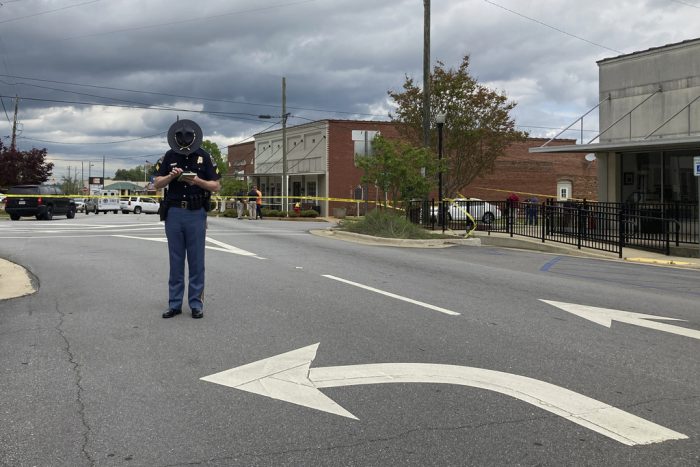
[543, 219]
[579, 230]
[620, 231]
[509, 206]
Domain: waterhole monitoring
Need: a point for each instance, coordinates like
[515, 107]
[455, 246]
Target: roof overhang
[658, 144]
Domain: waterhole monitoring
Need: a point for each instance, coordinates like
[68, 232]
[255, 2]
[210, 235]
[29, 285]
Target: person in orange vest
[258, 203]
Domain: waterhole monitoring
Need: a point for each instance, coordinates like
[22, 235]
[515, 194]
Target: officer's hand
[175, 172]
[191, 181]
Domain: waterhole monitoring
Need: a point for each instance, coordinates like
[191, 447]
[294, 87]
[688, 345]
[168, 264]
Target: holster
[163, 210]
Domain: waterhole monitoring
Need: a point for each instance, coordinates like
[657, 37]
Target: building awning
[658, 144]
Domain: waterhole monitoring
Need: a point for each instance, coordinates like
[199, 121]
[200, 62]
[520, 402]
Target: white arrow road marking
[392, 295]
[222, 246]
[288, 377]
[605, 317]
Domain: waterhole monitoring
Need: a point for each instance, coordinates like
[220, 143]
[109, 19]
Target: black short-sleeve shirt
[199, 162]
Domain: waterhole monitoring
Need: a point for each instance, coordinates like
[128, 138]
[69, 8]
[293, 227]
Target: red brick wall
[530, 174]
[241, 152]
[343, 176]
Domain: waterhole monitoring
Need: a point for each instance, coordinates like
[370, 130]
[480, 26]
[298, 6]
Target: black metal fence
[600, 226]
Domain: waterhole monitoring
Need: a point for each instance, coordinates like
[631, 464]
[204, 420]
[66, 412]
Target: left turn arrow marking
[288, 377]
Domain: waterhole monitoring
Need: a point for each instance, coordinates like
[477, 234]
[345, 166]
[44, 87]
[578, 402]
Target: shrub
[382, 223]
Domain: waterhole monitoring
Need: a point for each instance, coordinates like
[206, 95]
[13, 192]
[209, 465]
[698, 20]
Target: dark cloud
[227, 58]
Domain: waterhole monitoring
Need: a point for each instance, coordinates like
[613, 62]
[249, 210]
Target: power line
[686, 3]
[90, 144]
[552, 27]
[144, 107]
[257, 104]
[48, 11]
[190, 20]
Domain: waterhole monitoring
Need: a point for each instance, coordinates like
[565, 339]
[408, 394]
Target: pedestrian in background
[258, 203]
[240, 203]
[531, 210]
[184, 210]
[252, 203]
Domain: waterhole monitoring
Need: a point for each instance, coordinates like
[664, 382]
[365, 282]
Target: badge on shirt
[200, 160]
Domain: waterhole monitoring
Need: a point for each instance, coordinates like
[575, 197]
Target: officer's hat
[184, 136]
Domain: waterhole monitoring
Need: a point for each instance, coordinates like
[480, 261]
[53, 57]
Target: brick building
[321, 163]
[240, 159]
[561, 176]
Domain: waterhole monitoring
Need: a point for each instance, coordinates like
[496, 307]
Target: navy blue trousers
[186, 233]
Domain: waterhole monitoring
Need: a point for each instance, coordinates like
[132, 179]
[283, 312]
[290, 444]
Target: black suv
[42, 201]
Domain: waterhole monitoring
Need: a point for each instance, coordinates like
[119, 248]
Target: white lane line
[392, 295]
[232, 249]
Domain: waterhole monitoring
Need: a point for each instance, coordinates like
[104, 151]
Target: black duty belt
[182, 204]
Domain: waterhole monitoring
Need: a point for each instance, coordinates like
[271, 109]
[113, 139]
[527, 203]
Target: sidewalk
[630, 255]
[504, 240]
[15, 281]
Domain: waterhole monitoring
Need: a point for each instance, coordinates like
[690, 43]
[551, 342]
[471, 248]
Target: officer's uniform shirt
[199, 162]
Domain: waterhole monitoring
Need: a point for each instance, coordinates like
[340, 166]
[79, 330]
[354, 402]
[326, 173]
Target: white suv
[139, 204]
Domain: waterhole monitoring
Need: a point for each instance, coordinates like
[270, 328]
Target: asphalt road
[485, 372]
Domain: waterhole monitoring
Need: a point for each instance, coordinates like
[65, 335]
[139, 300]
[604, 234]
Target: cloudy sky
[106, 78]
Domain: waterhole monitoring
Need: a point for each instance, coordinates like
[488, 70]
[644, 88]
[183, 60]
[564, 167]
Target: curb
[395, 242]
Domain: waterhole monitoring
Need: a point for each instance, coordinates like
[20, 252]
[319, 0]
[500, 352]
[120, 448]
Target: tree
[23, 167]
[395, 167]
[215, 153]
[478, 127]
[133, 175]
[230, 186]
[71, 185]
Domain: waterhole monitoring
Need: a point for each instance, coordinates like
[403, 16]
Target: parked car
[139, 204]
[41, 201]
[479, 209]
[79, 204]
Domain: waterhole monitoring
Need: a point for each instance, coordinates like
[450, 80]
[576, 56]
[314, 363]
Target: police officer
[185, 209]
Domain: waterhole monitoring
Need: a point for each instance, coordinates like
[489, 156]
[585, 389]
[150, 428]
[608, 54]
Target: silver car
[479, 209]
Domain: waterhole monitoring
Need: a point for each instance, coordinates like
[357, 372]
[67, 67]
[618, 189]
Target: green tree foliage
[478, 127]
[395, 167]
[135, 174]
[231, 185]
[71, 185]
[215, 153]
[23, 167]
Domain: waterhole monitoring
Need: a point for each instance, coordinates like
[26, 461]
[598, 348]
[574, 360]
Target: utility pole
[13, 143]
[426, 73]
[284, 145]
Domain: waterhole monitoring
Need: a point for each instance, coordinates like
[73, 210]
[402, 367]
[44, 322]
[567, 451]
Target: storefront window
[680, 185]
[657, 177]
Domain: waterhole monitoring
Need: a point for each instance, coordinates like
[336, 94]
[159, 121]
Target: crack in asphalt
[78, 383]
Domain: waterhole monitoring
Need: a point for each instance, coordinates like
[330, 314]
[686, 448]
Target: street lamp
[440, 120]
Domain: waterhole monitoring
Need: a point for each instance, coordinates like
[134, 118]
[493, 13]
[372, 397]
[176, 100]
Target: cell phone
[186, 175]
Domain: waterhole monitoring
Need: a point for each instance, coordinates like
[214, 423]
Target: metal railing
[600, 226]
